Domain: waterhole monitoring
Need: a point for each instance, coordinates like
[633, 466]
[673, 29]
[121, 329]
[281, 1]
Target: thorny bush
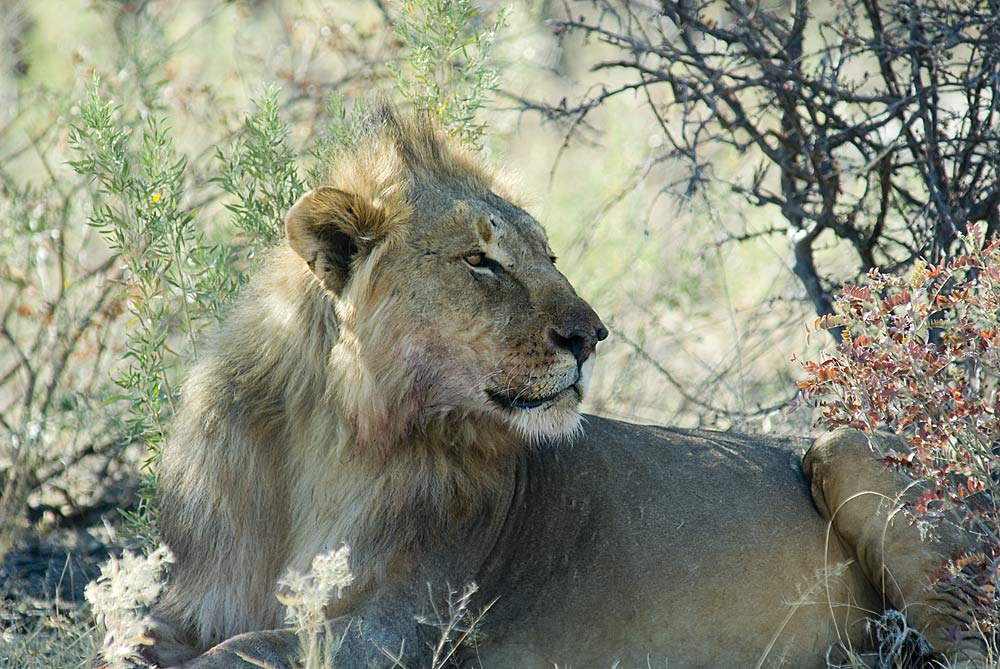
[921, 357]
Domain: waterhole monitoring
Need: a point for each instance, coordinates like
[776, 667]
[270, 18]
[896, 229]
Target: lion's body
[404, 378]
[673, 547]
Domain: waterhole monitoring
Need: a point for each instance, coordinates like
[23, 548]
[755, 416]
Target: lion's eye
[476, 259]
[481, 261]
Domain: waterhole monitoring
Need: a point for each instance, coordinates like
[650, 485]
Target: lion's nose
[579, 335]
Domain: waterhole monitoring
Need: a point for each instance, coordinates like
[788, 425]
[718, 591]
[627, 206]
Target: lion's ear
[330, 228]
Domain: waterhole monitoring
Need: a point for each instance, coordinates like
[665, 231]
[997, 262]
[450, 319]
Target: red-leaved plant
[920, 356]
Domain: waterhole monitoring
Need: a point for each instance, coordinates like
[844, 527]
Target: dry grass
[56, 640]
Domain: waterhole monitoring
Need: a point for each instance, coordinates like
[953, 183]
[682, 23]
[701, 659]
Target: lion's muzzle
[578, 330]
[522, 401]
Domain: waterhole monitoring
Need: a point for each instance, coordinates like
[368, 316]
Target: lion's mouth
[523, 403]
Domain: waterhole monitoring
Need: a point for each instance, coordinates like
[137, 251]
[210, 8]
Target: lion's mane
[301, 397]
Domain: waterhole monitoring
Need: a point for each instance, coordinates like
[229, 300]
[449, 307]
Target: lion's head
[447, 295]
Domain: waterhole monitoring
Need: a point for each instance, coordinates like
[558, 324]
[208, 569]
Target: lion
[404, 377]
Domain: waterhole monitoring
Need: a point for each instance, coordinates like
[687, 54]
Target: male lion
[404, 378]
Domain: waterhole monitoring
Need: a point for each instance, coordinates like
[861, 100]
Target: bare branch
[878, 124]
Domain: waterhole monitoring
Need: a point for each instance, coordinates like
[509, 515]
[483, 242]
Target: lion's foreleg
[371, 639]
[863, 502]
[159, 645]
[269, 649]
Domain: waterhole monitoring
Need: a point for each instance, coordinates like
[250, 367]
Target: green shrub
[446, 68]
[174, 282]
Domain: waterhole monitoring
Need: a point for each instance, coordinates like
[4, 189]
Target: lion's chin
[556, 417]
[559, 424]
